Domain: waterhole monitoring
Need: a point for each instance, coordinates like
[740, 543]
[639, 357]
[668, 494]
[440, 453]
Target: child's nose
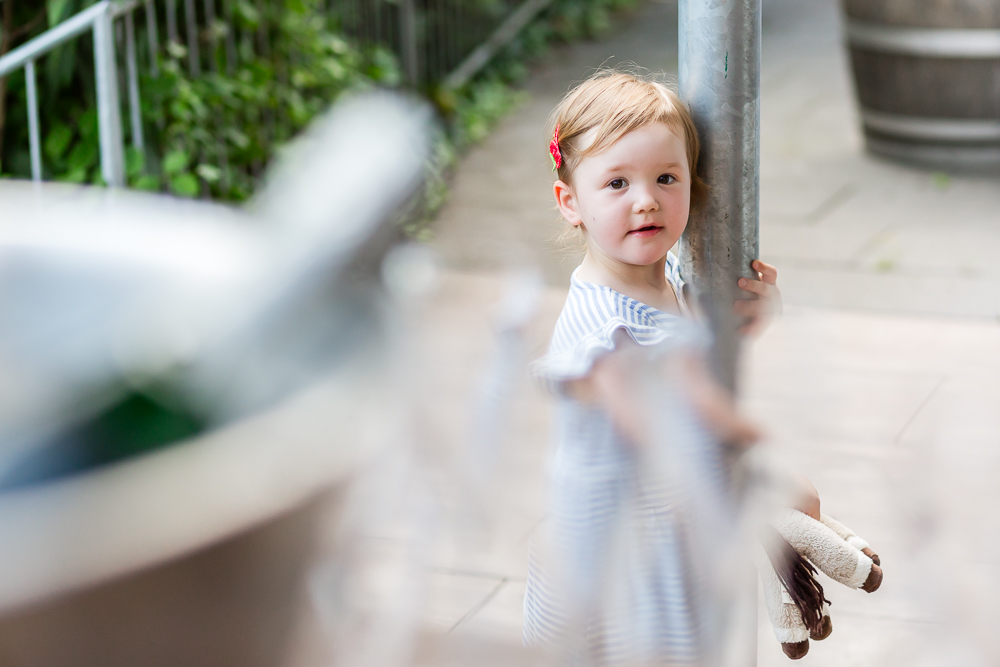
[645, 202]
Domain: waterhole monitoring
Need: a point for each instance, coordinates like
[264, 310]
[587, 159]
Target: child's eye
[618, 183]
[666, 179]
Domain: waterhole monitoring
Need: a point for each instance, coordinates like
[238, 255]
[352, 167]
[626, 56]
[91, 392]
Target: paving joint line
[475, 610]
[923, 404]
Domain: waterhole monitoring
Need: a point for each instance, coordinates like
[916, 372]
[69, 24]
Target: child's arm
[615, 383]
[766, 302]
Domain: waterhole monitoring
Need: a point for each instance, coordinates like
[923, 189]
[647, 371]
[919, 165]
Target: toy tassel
[798, 576]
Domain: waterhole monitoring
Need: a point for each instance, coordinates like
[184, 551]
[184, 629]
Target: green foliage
[478, 110]
[220, 129]
[208, 135]
[212, 135]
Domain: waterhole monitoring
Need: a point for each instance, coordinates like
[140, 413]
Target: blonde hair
[612, 103]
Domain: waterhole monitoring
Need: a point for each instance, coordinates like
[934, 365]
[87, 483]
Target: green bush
[213, 134]
[219, 130]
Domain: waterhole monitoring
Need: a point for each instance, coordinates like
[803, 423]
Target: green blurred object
[135, 424]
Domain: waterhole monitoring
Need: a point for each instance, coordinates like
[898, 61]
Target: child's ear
[566, 201]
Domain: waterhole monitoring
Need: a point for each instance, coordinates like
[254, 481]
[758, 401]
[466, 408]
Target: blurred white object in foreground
[265, 324]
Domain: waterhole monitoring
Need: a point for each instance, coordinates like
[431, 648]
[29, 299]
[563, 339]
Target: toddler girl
[626, 150]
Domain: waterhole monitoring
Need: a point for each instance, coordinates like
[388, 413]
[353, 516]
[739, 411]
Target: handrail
[475, 61]
[97, 18]
[63, 32]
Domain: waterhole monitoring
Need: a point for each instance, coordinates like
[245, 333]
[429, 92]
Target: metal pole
[109, 122]
[34, 140]
[719, 80]
[135, 109]
[719, 58]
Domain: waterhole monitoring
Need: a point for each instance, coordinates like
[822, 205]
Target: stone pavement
[864, 385]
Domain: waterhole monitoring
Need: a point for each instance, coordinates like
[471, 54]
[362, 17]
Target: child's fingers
[768, 273]
[754, 310]
[750, 307]
[754, 313]
[752, 326]
[755, 286]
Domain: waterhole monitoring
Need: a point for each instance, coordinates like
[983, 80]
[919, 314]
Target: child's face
[631, 200]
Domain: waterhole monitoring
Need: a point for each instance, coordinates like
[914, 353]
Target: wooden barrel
[927, 75]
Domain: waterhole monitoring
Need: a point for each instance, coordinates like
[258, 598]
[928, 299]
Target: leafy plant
[220, 129]
[213, 133]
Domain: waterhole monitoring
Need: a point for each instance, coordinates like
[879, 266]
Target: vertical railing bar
[263, 38]
[119, 32]
[108, 111]
[34, 139]
[227, 12]
[408, 33]
[191, 21]
[246, 39]
[133, 84]
[447, 37]
[360, 25]
[172, 35]
[152, 35]
[441, 35]
[454, 19]
[428, 47]
[210, 20]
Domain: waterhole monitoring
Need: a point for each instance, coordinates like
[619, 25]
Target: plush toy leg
[826, 549]
[786, 620]
[827, 626]
[850, 537]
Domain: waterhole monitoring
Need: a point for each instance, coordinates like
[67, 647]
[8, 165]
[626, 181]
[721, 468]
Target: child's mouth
[648, 230]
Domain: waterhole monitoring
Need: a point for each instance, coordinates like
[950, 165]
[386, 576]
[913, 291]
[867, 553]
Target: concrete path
[863, 385]
[846, 230]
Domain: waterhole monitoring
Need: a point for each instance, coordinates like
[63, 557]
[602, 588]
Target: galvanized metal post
[34, 139]
[135, 110]
[719, 54]
[109, 122]
[719, 63]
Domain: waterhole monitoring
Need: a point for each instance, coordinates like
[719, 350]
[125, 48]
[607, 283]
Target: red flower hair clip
[554, 151]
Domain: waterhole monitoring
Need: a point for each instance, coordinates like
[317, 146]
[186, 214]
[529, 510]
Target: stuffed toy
[786, 557]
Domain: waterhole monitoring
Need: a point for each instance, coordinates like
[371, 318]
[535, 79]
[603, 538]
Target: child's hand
[766, 301]
[616, 383]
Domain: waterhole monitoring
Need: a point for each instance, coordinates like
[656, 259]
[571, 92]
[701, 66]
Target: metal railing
[438, 43]
[99, 19]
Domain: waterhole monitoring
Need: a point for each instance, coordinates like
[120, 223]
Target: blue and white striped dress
[615, 547]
